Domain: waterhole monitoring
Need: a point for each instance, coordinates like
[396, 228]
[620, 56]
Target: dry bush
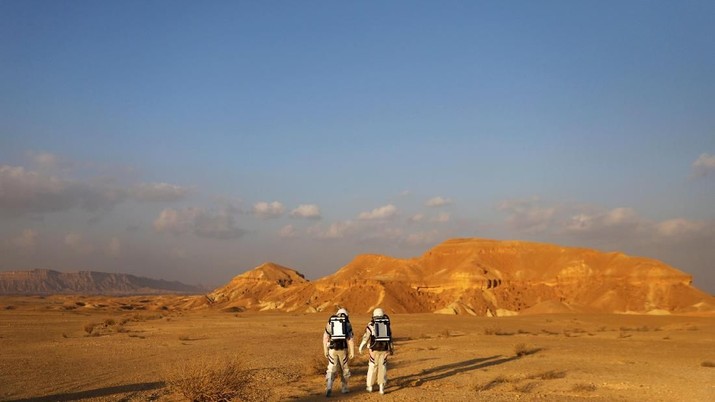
[209, 380]
[583, 387]
[521, 349]
[491, 384]
[707, 363]
[526, 388]
[549, 375]
[89, 327]
[109, 322]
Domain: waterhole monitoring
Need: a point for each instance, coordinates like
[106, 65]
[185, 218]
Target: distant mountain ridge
[46, 282]
[480, 277]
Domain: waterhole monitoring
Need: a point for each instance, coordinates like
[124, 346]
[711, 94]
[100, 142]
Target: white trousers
[337, 358]
[377, 368]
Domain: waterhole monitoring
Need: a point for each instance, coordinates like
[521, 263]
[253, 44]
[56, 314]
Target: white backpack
[381, 326]
[338, 327]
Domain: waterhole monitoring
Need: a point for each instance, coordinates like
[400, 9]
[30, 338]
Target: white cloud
[438, 202]
[423, 238]
[679, 227]
[307, 211]
[527, 215]
[384, 212]
[176, 221]
[198, 221]
[160, 192]
[114, 248]
[703, 165]
[442, 217]
[416, 218]
[617, 218]
[267, 210]
[26, 240]
[287, 231]
[77, 243]
[24, 191]
[337, 230]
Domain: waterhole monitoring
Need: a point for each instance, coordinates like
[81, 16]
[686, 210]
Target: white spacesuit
[378, 338]
[338, 348]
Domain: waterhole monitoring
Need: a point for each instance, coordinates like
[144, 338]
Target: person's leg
[381, 363]
[330, 372]
[345, 372]
[371, 372]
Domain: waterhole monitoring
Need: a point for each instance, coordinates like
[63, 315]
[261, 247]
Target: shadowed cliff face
[44, 281]
[478, 277]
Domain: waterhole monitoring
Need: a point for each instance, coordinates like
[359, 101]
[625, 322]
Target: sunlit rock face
[478, 277]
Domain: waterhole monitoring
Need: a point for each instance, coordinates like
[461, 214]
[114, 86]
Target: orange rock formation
[478, 277]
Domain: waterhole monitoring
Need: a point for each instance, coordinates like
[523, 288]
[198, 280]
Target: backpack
[382, 335]
[338, 327]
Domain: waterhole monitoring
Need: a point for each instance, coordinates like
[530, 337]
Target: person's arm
[326, 342]
[365, 339]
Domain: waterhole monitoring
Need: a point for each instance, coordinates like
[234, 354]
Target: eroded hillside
[478, 277]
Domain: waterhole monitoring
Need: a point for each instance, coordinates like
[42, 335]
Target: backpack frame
[381, 328]
[338, 327]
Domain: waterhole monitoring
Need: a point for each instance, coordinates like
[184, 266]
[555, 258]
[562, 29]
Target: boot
[369, 388]
[382, 389]
[345, 388]
[329, 387]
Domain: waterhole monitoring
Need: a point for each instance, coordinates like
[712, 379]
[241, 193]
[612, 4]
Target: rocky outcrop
[44, 281]
[478, 277]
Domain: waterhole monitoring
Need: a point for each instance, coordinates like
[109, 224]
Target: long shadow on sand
[96, 393]
[415, 380]
[448, 370]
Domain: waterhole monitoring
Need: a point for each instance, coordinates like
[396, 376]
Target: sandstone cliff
[478, 277]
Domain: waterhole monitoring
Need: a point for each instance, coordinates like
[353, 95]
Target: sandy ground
[46, 353]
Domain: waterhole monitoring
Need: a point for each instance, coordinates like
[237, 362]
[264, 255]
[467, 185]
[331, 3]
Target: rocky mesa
[45, 282]
[478, 277]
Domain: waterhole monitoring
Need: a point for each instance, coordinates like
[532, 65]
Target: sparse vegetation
[549, 375]
[526, 388]
[583, 387]
[493, 383]
[90, 327]
[707, 363]
[497, 331]
[522, 349]
[209, 380]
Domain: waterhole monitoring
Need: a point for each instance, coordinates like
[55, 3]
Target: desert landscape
[63, 348]
[498, 321]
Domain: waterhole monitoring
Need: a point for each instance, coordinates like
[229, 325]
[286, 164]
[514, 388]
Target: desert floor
[48, 353]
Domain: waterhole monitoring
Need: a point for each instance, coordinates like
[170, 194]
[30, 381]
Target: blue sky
[195, 141]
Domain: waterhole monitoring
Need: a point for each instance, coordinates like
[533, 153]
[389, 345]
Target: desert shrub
[707, 363]
[89, 327]
[109, 322]
[10, 307]
[209, 380]
[491, 384]
[583, 387]
[81, 304]
[526, 388]
[550, 375]
[521, 349]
